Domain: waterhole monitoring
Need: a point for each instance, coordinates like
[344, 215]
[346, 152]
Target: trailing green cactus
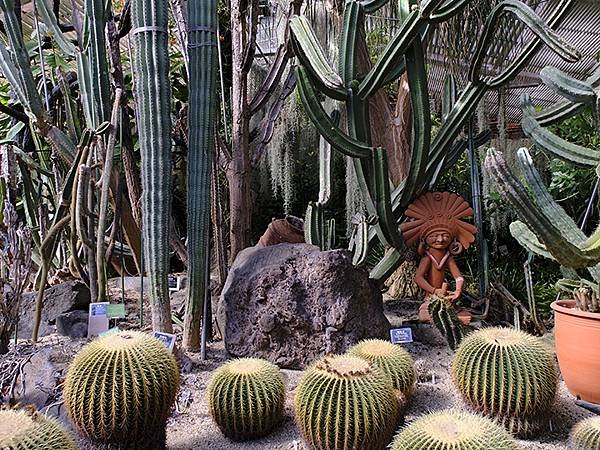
[120, 388]
[26, 429]
[344, 403]
[585, 435]
[446, 321]
[453, 430]
[246, 398]
[404, 53]
[392, 359]
[506, 374]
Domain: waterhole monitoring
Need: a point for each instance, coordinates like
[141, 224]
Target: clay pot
[288, 230]
[577, 335]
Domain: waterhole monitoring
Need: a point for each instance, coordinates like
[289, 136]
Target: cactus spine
[246, 398]
[26, 429]
[585, 435]
[404, 53]
[120, 389]
[392, 359]
[506, 374]
[153, 101]
[453, 430]
[202, 42]
[446, 321]
[344, 403]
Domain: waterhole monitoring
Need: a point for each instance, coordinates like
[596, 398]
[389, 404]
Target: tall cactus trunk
[202, 50]
[153, 102]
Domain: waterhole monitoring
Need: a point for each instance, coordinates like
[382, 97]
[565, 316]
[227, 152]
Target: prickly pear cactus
[507, 374]
[453, 430]
[586, 434]
[392, 359]
[246, 398]
[26, 429]
[345, 402]
[120, 388]
[446, 321]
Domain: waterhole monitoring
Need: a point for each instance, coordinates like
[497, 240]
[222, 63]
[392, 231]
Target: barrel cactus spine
[392, 359]
[453, 430]
[26, 429]
[343, 403]
[246, 398]
[120, 388]
[507, 374]
[585, 435]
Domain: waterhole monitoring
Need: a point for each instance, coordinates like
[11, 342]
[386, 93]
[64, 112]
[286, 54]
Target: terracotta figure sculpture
[436, 226]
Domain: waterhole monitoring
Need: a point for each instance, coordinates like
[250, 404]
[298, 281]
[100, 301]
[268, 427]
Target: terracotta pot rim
[568, 307]
[294, 223]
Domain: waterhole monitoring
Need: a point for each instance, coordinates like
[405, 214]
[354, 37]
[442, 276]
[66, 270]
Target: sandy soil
[190, 426]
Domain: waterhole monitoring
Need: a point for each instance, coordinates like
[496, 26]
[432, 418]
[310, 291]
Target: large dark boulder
[292, 303]
[59, 299]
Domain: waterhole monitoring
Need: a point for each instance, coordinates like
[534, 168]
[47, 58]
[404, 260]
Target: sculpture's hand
[443, 291]
[454, 296]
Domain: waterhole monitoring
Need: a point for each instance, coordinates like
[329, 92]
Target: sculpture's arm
[460, 281]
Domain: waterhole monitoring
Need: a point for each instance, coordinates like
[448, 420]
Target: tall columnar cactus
[202, 50]
[453, 430]
[392, 359]
[404, 54]
[344, 403]
[506, 374]
[120, 388]
[546, 229]
[446, 321]
[26, 429]
[585, 435]
[153, 102]
[246, 398]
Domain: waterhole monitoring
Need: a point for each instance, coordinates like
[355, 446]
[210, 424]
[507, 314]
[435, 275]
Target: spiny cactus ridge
[446, 321]
[345, 402]
[586, 434]
[121, 387]
[453, 430]
[392, 359]
[26, 429]
[507, 374]
[246, 398]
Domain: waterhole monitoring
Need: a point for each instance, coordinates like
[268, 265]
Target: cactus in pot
[404, 54]
[246, 398]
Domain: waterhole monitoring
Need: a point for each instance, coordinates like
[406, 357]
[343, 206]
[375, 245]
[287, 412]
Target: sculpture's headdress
[439, 211]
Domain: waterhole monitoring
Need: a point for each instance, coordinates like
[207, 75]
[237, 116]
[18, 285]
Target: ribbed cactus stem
[586, 434]
[446, 320]
[202, 50]
[153, 102]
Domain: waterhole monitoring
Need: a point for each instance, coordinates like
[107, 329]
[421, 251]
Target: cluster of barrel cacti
[545, 228]
[404, 54]
[508, 375]
[120, 389]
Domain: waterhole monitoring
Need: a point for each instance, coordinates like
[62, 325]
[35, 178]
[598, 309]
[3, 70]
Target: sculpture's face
[439, 239]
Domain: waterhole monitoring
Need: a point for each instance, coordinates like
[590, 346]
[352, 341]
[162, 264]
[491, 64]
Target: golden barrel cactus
[346, 403]
[26, 429]
[121, 387]
[586, 434]
[246, 398]
[392, 359]
[453, 430]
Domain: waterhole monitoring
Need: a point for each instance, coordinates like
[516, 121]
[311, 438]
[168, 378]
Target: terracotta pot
[577, 335]
[279, 231]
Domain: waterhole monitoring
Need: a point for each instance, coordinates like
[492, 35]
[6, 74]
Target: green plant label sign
[116, 311]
